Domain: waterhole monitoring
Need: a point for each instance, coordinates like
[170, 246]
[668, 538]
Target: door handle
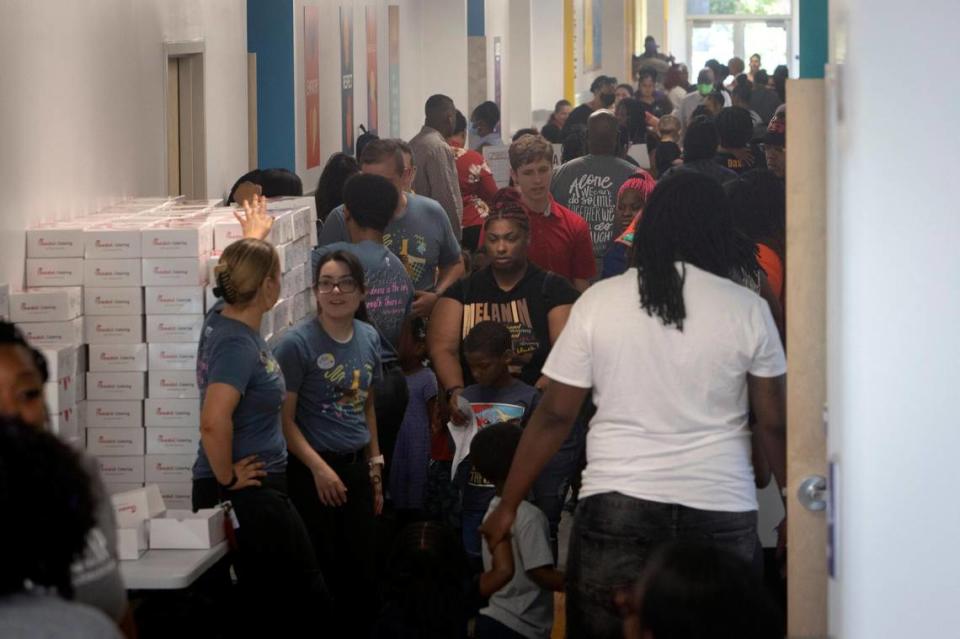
[812, 493]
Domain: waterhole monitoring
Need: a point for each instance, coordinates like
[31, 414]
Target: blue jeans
[550, 487]
[612, 537]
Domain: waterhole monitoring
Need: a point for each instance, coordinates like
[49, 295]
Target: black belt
[343, 458]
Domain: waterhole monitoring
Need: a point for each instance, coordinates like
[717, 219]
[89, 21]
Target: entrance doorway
[186, 138]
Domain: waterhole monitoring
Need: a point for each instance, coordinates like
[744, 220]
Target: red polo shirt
[560, 242]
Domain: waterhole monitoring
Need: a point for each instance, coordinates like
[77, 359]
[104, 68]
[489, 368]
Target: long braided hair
[687, 220]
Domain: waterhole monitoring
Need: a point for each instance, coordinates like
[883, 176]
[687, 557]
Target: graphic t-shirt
[477, 186]
[730, 161]
[588, 186]
[420, 235]
[332, 381]
[230, 352]
[523, 310]
[491, 405]
[389, 289]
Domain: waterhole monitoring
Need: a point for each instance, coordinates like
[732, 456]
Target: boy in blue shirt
[496, 397]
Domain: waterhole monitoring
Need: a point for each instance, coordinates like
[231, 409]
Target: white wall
[893, 313]
[614, 46]
[433, 59]
[677, 34]
[82, 119]
[546, 54]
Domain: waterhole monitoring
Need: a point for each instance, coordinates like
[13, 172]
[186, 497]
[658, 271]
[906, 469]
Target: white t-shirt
[522, 605]
[672, 407]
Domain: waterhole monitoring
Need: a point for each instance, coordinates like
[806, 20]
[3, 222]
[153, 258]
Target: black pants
[279, 584]
[343, 538]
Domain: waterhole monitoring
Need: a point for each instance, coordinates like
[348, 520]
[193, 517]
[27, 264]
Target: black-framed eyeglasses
[344, 284]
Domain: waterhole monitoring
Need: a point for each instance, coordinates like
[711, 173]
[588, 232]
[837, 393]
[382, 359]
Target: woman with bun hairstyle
[243, 454]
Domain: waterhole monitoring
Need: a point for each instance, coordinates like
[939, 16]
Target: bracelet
[233, 481]
[376, 461]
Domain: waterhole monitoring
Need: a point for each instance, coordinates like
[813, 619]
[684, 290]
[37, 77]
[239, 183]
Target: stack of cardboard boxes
[132, 283]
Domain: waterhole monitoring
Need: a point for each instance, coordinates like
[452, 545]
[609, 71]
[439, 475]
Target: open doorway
[186, 138]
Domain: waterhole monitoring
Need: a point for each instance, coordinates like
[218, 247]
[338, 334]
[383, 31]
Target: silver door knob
[812, 493]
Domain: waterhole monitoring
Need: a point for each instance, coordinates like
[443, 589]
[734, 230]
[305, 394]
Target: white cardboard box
[190, 271]
[109, 242]
[185, 529]
[175, 241]
[46, 304]
[105, 358]
[173, 385]
[173, 300]
[115, 489]
[112, 273]
[170, 329]
[113, 301]
[115, 385]
[55, 242]
[166, 469]
[54, 271]
[172, 441]
[172, 413]
[225, 233]
[113, 414]
[133, 541]
[173, 357]
[114, 329]
[68, 333]
[293, 281]
[177, 495]
[134, 506]
[60, 394]
[123, 442]
[62, 362]
[65, 422]
[128, 469]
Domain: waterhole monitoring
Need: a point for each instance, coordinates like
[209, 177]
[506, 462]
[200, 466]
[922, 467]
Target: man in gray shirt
[588, 185]
[437, 174]
[419, 233]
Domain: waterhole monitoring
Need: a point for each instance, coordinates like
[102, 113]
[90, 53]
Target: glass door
[710, 39]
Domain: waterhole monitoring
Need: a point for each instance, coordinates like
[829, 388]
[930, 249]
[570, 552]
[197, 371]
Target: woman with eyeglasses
[330, 364]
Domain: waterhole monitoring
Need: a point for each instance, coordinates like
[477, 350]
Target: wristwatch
[375, 461]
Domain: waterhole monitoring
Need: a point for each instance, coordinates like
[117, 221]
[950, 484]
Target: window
[722, 29]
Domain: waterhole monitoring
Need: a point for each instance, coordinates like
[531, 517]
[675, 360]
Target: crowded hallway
[473, 319]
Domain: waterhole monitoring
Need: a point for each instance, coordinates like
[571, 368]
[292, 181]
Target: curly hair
[44, 485]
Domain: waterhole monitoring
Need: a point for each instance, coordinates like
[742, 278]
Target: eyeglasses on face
[344, 284]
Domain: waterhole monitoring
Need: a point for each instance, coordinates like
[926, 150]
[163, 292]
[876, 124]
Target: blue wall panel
[270, 36]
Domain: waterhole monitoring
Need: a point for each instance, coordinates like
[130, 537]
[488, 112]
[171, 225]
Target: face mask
[705, 89]
[606, 99]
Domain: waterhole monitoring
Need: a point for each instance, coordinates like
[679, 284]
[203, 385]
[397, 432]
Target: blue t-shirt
[230, 352]
[332, 381]
[389, 289]
[420, 235]
[476, 490]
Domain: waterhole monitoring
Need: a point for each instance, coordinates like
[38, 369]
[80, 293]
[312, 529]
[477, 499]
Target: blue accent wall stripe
[814, 37]
[270, 36]
[476, 18]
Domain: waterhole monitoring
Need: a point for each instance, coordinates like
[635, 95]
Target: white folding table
[169, 569]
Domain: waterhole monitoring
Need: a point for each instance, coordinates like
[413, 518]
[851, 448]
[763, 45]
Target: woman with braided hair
[243, 454]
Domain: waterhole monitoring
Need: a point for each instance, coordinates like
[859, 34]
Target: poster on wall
[372, 88]
[346, 78]
[311, 83]
[393, 32]
[592, 34]
[497, 63]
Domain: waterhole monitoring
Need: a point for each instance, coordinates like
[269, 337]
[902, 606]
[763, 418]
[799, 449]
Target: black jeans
[488, 628]
[343, 538]
[612, 537]
[279, 583]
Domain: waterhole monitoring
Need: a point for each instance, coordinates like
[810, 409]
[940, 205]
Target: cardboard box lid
[133, 506]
